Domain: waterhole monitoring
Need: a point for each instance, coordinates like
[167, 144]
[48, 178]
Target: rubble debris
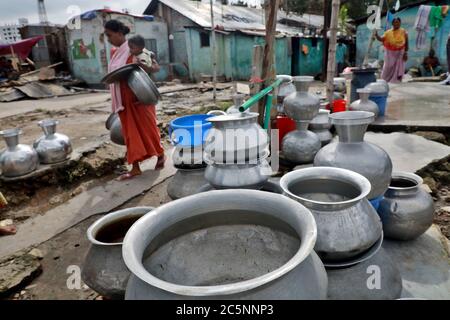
[17, 270]
[433, 136]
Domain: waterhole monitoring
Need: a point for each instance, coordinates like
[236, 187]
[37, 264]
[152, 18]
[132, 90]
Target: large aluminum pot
[104, 270]
[17, 159]
[302, 105]
[353, 153]
[239, 176]
[229, 244]
[347, 223]
[301, 146]
[406, 211]
[52, 147]
[364, 104]
[186, 182]
[114, 126]
[236, 138]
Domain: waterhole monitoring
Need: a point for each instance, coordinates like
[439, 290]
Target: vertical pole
[269, 69]
[332, 50]
[214, 56]
[326, 26]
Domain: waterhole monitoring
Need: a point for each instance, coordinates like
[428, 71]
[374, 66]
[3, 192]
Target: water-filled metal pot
[353, 153]
[229, 244]
[104, 270]
[364, 104]
[375, 279]
[406, 211]
[236, 138]
[115, 129]
[302, 105]
[186, 182]
[347, 224]
[17, 159]
[52, 147]
[239, 176]
[301, 146]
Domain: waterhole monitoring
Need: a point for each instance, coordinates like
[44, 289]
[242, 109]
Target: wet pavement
[424, 105]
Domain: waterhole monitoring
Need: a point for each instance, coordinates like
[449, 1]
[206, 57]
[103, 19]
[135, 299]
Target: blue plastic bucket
[190, 131]
[381, 101]
[376, 202]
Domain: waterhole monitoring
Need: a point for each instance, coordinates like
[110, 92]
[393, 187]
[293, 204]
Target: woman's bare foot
[161, 162]
[8, 231]
[135, 171]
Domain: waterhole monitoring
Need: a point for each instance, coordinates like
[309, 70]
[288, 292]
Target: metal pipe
[267, 111]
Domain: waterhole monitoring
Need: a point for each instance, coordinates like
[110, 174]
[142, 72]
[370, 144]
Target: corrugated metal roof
[236, 17]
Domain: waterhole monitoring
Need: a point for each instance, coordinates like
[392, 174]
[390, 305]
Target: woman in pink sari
[139, 122]
[395, 42]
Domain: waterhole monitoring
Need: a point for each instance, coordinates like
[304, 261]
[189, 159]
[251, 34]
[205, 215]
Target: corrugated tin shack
[89, 50]
[408, 15]
[239, 29]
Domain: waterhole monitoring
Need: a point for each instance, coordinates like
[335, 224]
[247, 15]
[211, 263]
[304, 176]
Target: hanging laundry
[436, 17]
[422, 26]
[397, 5]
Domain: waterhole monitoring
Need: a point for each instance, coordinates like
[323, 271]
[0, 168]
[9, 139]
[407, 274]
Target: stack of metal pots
[236, 151]
[353, 153]
[350, 232]
[301, 146]
[321, 126]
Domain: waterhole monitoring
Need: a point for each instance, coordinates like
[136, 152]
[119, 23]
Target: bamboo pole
[269, 72]
[331, 70]
[214, 54]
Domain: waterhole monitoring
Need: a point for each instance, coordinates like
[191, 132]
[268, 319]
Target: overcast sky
[12, 10]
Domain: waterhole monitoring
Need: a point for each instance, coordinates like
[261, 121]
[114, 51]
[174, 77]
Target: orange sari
[139, 126]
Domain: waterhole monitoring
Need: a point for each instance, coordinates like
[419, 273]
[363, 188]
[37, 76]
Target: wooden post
[214, 55]
[335, 5]
[269, 69]
[326, 26]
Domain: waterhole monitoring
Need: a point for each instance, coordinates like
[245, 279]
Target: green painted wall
[308, 64]
[235, 52]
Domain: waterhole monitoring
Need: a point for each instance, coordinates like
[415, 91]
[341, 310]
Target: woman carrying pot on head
[395, 42]
[139, 122]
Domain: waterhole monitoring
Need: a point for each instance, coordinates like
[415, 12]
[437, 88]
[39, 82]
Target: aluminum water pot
[347, 223]
[407, 211]
[301, 146]
[353, 153]
[228, 244]
[364, 104]
[302, 105]
[103, 269]
[17, 159]
[52, 147]
[236, 138]
[186, 182]
[115, 129]
[321, 126]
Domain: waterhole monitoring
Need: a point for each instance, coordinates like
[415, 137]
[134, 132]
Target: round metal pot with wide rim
[228, 244]
[236, 138]
[17, 159]
[321, 121]
[301, 146]
[114, 126]
[239, 176]
[377, 278]
[139, 82]
[353, 153]
[186, 182]
[272, 186]
[406, 211]
[302, 105]
[104, 270]
[347, 223]
[52, 147]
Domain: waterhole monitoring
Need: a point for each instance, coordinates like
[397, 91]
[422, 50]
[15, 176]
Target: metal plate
[120, 74]
[361, 258]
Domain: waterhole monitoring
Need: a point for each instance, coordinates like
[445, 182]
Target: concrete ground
[414, 104]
